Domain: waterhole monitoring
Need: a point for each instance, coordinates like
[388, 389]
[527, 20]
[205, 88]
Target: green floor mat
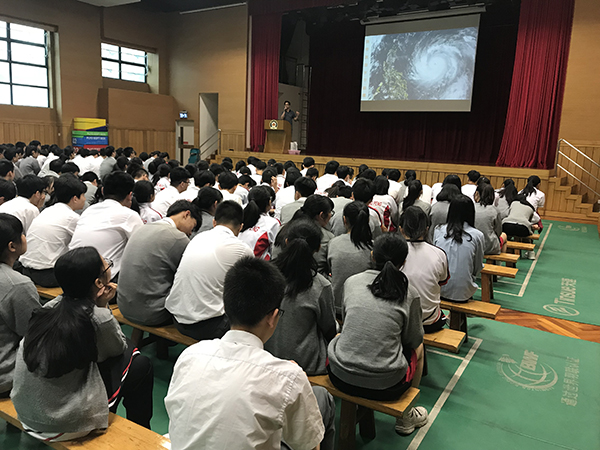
[563, 281]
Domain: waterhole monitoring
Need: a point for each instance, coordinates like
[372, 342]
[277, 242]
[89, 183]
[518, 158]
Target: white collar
[243, 337]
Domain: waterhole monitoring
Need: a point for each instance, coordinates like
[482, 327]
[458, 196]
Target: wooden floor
[582, 331]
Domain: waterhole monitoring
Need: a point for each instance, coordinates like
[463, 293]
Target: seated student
[70, 167]
[426, 267]
[384, 364]
[534, 196]
[463, 244]
[362, 191]
[488, 221]
[235, 371]
[385, 204]
[343, 173]
[161, 179]
[269, 179]
[180, 180]
[8, 191]
[29, 164]
[309, 324]
[280, 175]
[260, 167]
[313, 174]
[245, 183]
[18, 298]
[138, 172]
[196, 299]
[350, 253]
[304, 187]
[228, 183]
[153, 254]
[307, 163]
[504, 197]
[329, 177]
[409, 175]
[31, 197]
[207, 201]
[437, 187]
[340, 194]
[413, 193]
[70, 365]
[50, 233]
[470, 186]
[286, 195]
[108, 225]
[318, 209]
[259, 228]
[439, 210]
[91, 181]
[143, 192]
[7, 170]
[393, 176]
[521, 220]
[55, 168]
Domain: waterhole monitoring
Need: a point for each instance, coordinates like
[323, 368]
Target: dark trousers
[515, 229]
[435, 326]
[212, 328]
[44, 278]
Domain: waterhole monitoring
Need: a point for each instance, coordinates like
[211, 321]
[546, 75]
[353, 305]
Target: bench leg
[347, 437]
[366, 423]
[136, 336]
[458, 321]
[486, 287]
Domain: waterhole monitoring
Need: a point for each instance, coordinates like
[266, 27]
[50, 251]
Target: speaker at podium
[279, 136]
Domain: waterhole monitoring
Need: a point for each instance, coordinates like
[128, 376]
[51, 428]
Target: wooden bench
[516, 247]
[350, 415]
[121, 434]
[508, 258]
[459, 311]
[487, 275]
[445, 339]
[48, 293]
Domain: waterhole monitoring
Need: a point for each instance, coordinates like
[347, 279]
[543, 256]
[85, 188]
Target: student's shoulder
[11, 279]
[320, 281]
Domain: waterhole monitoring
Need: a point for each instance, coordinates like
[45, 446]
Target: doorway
[208, 125]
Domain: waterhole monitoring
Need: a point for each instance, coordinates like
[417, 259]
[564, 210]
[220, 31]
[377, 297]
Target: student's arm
[176, 252]
[109, 338]
[498, 223]
[16, 310]
[326, 313]
[478, 256]
[412, 333]
[36, 167]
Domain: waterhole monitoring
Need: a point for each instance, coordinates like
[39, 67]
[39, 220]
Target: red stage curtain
[266, 38]
[533, 119]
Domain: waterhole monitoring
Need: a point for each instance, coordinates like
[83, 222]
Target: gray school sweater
[18, 299]
[520, 214]
[487, 220]
[76, 401]
[368, 351]
[306, 328]
[150, 260]
[438, 216]
[345, 260]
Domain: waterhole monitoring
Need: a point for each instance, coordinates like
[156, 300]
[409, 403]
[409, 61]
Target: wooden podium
[279, 136]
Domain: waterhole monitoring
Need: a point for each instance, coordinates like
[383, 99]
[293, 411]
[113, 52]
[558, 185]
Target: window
[23, 65]
[124, 63]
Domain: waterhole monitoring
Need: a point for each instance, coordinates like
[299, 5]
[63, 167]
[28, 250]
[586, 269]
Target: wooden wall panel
[13, 131]
[233, 140]
[143, 140]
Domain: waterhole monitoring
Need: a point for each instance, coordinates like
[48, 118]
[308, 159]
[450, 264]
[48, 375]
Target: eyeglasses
[109, 265]
[279, 312]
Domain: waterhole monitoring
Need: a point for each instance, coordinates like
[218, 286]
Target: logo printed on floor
[571, 228]
[567, 297]
[530, 374]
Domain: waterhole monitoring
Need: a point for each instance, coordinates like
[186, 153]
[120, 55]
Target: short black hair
[342, 172]
[29, 185]
[393, 174]
[227, 165]
[118, 185]
[6, 166]
[363, 190]
[279, 168]
[143, 191]
[229, 213]
[216, 169]
[288, 164]
[207, 196]
[238, 165]
[291, 175]
[68, 186]
[247, 179]
[69, 167]
[268, 174]
[369, 174]
[312, 172]
[8, 190]
[127, 151]
[252, 289]
[227, 180]
[202, 165]
[260, 165]
[178, 176]
[473, 176]
[185, 205]
[331, 167]
[306, 186]
[308, 161]
[30, 149]
[56, 165]
[144, 156]
[203, 178]
[228, 159]
[287, 101]
[35, 143]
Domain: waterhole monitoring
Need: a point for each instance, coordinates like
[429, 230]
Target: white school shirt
[146, 163]
[95, 165]
[435, 190]
[229, 196]
[49, 236]
[197, 292]
[106, 226]
[164, 199]
[326, 181]
[189, 194]
[426, 195]
[537, 199]
[22, 209]
[242, 192]
[426, 268]
[469, 190]
[261, 237]
[231, 394]
[148, 214]
[394, 190]
[161, 184]
[46, 167]
[284, 197]
[280, 182]
[387, 208]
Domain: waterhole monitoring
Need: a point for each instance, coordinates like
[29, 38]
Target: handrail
[582, 168]
[203, 152]
[569, 173]
[576, 149]
[210, 137]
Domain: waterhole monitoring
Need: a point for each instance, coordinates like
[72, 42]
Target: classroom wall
[580, 116]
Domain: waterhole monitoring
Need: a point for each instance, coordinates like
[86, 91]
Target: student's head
[245, 171]
[11, 154]
[35, 143]
[356, 219]
[483, 180]
[180, 178]
[289, 165]
[83, 152]
[363, 190]
[252, 294]
[204, 178]
[128, 152]
[70, 190]
[343, 172]
[8, 190]
[305, 187]
[393, 174]
[260, 165]
[278, 167]
[32, 150]
[192, 169]
[269, 176]
[216, 169]
[291, 175]
[202, 165]
[109, 151]
[414, 223]
[510, 193]
[473, 176]
[186, 215]
[208, 199]
[227, 165]
[415, 189]
[139, 173]
[381, 185]
[308, 162]
[316, 207]
[312, 172]
[533, 182]
[118, 186]
[144, 156]
[231, 215]
[7, 169]
[369, 174]
[259, 202]
[12, 240]
[296, 260]
[90, 177]
[32, 188]
[452, 179]
[331, 167]
[505, 184]
[162, 171]
[409, 176]
[143, 191]
[228, 181]
[56, 165]
[448, 192]
[462, 209]
[246, 181]
[69, 167]
[362, 168]
[389, 254]
[238, 165]
[485, 194]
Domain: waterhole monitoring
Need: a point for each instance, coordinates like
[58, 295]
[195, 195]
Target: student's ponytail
[296, 260]
[409, 175]
[357, 218]
[258, 202]
[389, 252]
[414, 192]
[415, 223]
[532, 182]
[162, 171]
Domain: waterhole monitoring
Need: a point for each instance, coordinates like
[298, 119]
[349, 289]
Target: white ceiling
[108, 3]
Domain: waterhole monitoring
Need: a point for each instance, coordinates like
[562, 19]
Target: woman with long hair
[488, 220]
[74, 364]
[350, 253]
[535, 197]
[409, 175]
[379, 353]
[259, 229]
[384, 203]
[161, 179]
[463, 245]
[207, 200]
[426, 267]
[308, 324]
[504, 197]
[415, 189]
[439, 210]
